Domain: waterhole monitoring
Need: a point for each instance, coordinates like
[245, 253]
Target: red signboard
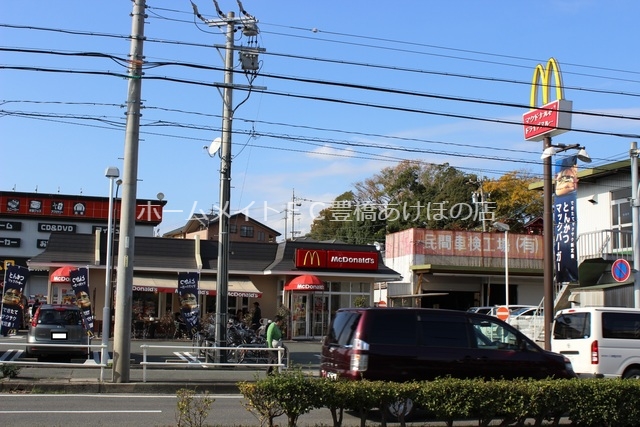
[551, 119]
[60, 206]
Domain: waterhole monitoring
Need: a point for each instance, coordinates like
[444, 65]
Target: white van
[601, 342]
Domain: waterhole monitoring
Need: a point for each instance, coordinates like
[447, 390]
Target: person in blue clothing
[274, 340]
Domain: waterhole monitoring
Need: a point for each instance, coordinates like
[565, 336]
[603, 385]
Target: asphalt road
[135, 410]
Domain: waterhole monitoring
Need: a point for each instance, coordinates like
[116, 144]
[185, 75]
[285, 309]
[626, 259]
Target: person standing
[274, 340]
[34, 307]
[256, 316]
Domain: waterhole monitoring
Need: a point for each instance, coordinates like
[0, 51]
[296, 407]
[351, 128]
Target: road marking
[14, 356]
[155, 411]
[187, 356]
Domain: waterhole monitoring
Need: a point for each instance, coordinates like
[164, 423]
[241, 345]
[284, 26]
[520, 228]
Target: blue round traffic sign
[621, 270]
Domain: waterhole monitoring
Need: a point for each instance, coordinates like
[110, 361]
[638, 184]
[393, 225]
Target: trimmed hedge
[586, 402]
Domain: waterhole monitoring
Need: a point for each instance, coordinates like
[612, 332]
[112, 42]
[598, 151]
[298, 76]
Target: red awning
[306, 282]
[62, 274]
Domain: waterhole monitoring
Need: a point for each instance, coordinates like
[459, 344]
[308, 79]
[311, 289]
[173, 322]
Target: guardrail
[211, 352]
[89, 363]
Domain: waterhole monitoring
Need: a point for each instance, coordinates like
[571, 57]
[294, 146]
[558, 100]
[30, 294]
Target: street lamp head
[583, 156]
[555, 149]
[501, 226]
[548, 152]
[112, 172]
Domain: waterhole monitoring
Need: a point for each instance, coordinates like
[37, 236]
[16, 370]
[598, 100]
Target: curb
[95, 387]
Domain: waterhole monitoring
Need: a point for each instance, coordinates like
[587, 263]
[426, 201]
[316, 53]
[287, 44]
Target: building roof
[284, 262]
[157, 254]
[199, 221]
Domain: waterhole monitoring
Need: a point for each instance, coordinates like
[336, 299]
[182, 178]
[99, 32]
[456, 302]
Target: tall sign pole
[540, 124]
[124, 281]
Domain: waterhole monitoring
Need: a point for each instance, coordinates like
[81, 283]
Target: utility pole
[482, 199]
[124, 281]
[295, 201]
[249, 58]
[635, 218]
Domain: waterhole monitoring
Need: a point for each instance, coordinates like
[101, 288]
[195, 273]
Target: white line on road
[83, 412]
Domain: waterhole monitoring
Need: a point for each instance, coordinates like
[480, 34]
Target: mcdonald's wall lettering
[340, 260]
[552, 118]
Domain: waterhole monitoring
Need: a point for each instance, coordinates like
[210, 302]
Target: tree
[514, 203]
[419, 195]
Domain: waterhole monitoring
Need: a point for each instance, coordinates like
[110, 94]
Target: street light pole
[547, 231]
[549, 304]
[112, 173]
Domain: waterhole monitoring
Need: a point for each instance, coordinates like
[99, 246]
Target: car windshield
[528, 311]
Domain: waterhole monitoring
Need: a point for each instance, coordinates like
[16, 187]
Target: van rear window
[342, 328]
[572, 326]
[624, 326]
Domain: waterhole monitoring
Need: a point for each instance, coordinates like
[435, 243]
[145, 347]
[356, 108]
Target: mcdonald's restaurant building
[309, 279]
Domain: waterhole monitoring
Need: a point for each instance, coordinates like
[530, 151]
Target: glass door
[299, 315]
[320, 315]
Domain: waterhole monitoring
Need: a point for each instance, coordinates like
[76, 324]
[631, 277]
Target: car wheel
[632, 374]
[401, 409]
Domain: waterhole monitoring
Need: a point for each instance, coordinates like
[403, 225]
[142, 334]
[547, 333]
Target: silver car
[57, 324]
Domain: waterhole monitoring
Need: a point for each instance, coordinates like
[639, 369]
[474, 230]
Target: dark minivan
[403, 344]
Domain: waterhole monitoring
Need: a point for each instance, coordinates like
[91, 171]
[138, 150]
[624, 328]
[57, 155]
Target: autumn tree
[434, 196]
[512, 200]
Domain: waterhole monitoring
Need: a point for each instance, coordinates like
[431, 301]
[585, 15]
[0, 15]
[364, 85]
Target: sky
[344, 89]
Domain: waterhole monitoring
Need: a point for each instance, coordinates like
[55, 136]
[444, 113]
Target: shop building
[264, 272]
[27, 221]
[458, 269]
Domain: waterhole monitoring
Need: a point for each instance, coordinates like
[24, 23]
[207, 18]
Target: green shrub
[587, 403]
[261, 401]
[331, 395]
[9, 371]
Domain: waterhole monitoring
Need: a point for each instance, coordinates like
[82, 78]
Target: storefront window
[145, 303]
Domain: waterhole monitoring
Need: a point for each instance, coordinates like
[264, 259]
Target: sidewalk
[166, 379]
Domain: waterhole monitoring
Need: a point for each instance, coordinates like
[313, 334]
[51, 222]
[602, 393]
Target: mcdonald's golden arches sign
[553, 117]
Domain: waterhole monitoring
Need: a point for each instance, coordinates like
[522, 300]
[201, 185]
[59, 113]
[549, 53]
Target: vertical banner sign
[565, 220]
[188, 291]
[15, 279]
[80, 285]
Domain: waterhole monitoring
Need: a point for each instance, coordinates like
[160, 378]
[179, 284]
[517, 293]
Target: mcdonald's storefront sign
[553, 117]
[352, 260]
[339, 260]
[311, 258]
